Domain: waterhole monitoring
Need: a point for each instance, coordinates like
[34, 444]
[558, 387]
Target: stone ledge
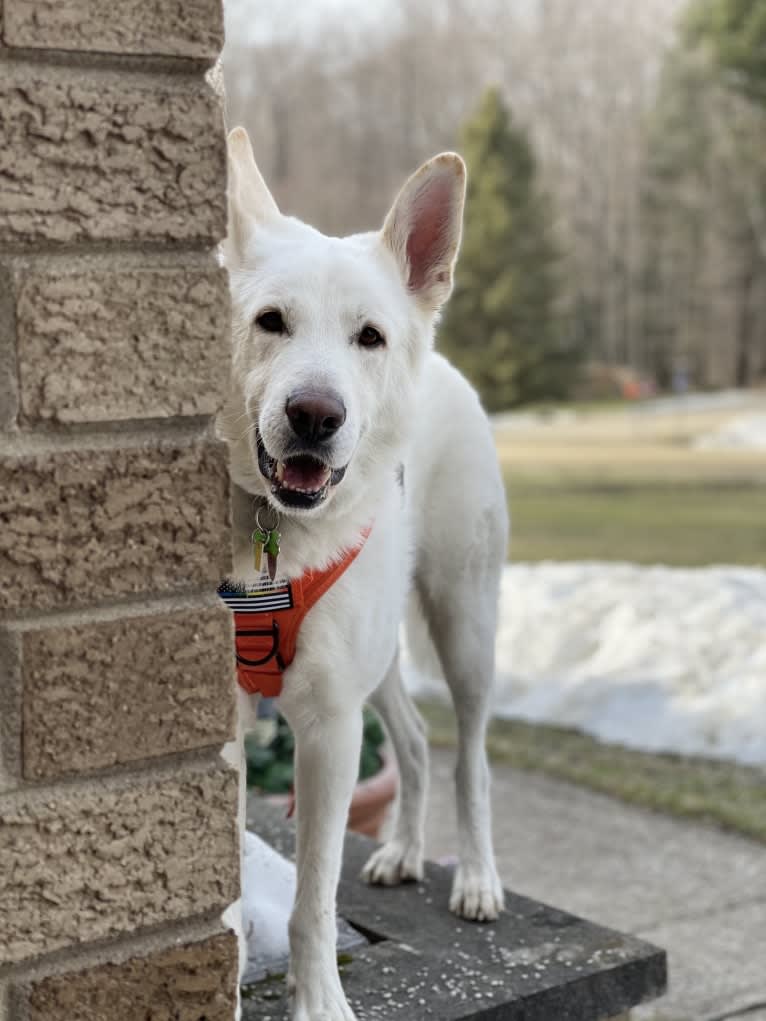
[192, 28]
[98, 156]
[90, 861]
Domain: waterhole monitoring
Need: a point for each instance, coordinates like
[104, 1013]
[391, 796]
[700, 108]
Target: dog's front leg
[327, 747]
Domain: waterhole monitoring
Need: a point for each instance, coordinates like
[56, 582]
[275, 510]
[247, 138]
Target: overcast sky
[255, 20]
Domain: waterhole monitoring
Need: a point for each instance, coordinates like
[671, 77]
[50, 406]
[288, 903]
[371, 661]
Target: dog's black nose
[315, 414]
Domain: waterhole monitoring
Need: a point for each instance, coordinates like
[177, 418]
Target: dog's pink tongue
[304, 473]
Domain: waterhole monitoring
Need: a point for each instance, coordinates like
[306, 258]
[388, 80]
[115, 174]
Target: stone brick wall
[118, 842]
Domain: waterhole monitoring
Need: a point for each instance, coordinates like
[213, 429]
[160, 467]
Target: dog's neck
[305, 543]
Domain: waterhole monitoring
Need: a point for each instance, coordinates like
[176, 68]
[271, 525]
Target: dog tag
[272, 552]
[259, 539]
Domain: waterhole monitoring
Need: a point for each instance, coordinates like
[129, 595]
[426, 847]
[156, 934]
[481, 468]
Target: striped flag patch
[261, 596]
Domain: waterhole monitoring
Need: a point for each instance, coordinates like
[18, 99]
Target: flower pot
[371, 798]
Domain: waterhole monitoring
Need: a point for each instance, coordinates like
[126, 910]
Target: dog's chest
[350, 636]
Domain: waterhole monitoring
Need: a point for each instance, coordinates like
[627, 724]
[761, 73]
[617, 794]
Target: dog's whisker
[250, 429]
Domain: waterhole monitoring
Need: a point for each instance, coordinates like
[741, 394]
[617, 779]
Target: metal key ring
[266, 528]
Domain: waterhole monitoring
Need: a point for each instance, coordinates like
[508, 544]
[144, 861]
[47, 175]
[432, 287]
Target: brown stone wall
[191, 982]
[109, 517]
[118, 842]
[183, 28]
[108, 157]
[72, 859]
[156, 325]
[173, 698]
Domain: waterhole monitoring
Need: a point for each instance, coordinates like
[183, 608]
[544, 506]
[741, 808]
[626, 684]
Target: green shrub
[270, 765]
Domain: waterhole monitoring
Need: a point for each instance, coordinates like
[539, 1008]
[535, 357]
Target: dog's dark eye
[370, 337]
[271, 321]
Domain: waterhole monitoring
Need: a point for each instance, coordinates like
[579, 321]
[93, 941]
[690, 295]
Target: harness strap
[266, 640]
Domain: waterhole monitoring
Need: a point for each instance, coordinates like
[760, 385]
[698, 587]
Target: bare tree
[343, 108]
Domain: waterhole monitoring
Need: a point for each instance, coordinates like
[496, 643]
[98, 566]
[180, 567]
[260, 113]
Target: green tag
[259, 539]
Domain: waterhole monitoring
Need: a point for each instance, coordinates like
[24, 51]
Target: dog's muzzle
[301, 480]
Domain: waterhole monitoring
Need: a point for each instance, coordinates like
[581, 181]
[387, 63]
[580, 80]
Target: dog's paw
[477, 893]
[394, 863]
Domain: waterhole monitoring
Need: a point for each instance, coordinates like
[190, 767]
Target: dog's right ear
[424, 226]
[250, 201]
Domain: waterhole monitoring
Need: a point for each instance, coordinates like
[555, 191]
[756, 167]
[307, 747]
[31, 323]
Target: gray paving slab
[697, 891]
[535, 963]
[717, 964]
[569, 846]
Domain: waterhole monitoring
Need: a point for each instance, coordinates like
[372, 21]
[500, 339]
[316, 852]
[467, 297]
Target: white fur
[444, 536]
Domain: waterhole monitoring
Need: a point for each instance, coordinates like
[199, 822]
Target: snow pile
[267, 899]
[744, 432]
[659, 658]
[268, 892]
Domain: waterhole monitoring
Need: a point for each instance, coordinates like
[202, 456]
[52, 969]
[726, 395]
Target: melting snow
[745, 432]
[658, 658]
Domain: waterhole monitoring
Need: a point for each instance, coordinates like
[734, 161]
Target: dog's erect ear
[250, 201]
[424, 226]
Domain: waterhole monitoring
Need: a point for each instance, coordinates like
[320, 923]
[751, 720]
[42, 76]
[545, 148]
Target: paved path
[697, 892]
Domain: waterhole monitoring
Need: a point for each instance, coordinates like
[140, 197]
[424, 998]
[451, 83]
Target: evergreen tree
[500, 325]
[736, 31]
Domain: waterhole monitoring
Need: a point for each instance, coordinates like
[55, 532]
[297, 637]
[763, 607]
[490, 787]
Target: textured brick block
[77, 526]
[127, 343]
[116, 691]
[103, 859]
[186, 28]
[99, 156]
[192, 982]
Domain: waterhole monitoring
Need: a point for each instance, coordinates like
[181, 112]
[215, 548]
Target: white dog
[342, 421]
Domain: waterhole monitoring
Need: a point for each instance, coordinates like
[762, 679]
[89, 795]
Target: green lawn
[685, 524]
[608, 484]
[723, 793]
[615, 485]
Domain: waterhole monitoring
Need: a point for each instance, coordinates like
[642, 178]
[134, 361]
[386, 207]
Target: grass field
[726, 794]
[623, 484]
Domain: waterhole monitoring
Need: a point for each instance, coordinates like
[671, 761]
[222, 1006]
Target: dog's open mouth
[302, 481]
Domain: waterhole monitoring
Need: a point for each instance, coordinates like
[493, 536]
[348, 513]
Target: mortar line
[115, 949]
[149, 64]
[132, 606]
[43, 256]
[109, 435]
[126, 774]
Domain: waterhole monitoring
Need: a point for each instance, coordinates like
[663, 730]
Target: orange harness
[268, 617]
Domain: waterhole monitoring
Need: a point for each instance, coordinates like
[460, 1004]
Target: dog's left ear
[424, 226]
[250, 201]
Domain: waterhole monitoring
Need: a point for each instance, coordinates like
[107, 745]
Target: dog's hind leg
[401, 857]
[462, 620]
